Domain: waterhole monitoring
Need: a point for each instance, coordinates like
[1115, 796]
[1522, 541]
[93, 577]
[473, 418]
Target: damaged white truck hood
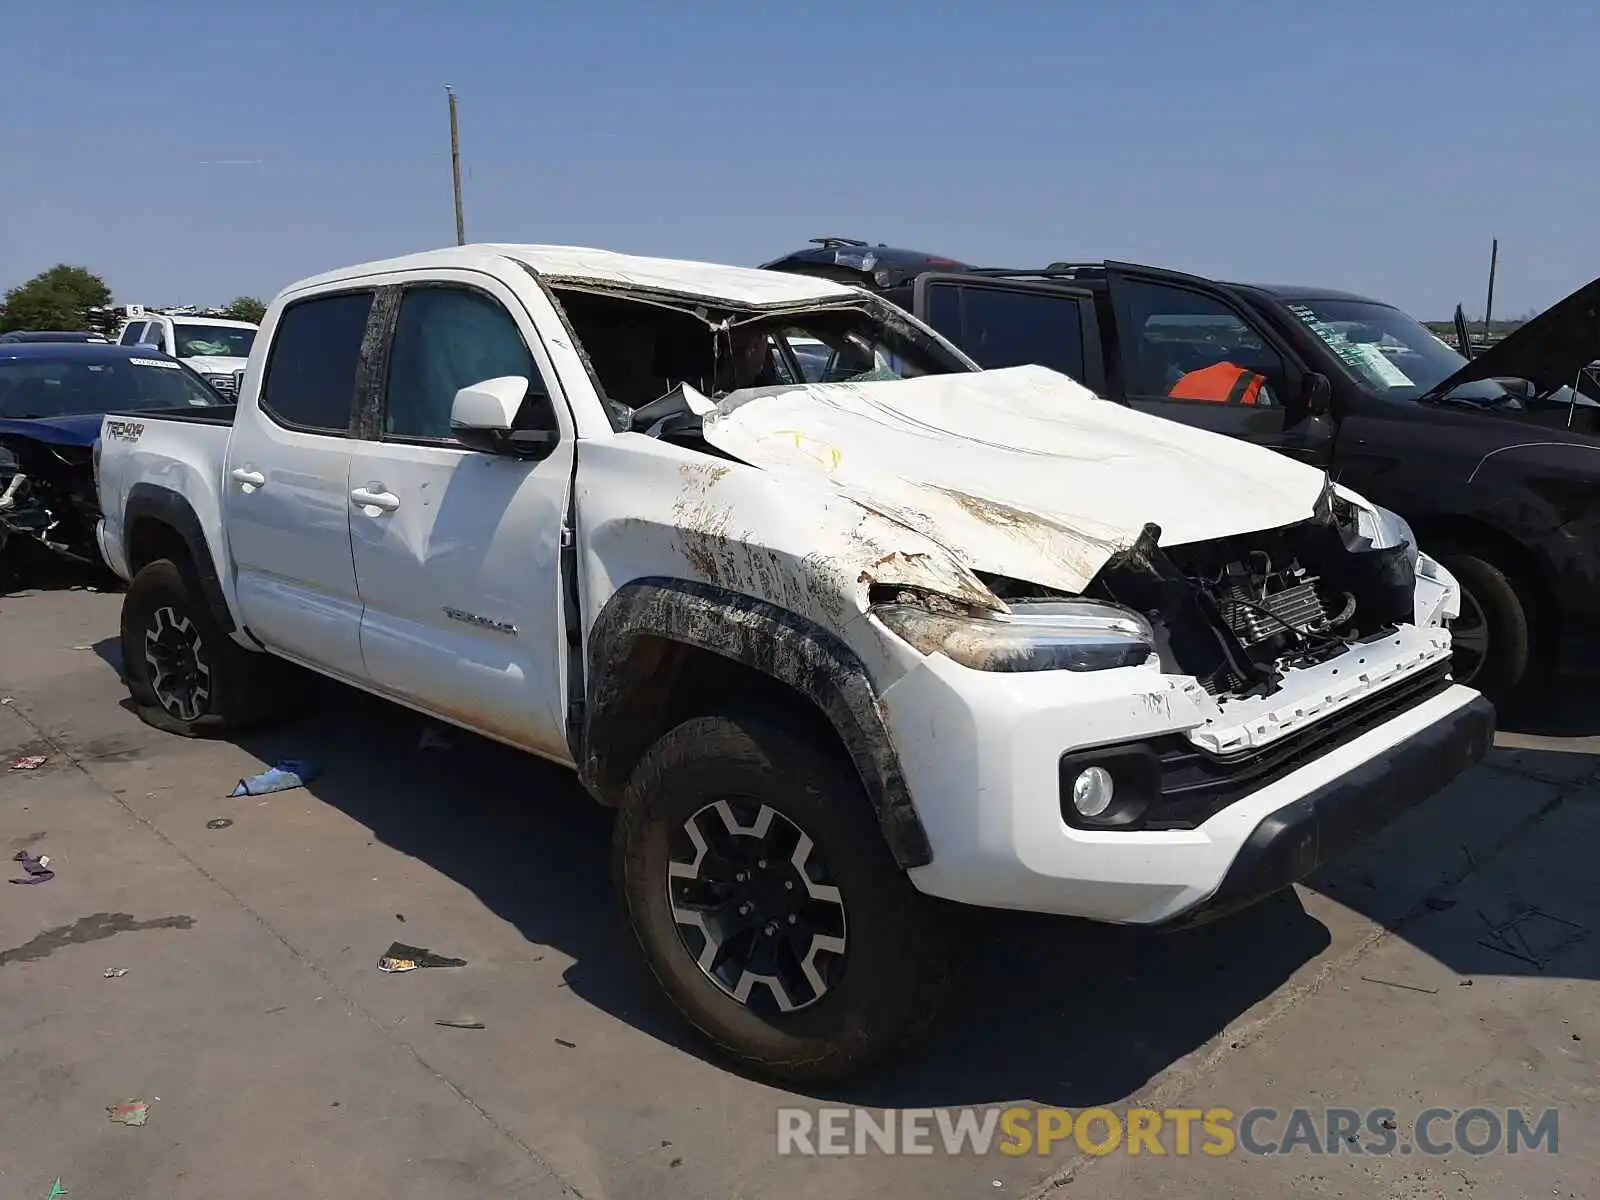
[1019, 472]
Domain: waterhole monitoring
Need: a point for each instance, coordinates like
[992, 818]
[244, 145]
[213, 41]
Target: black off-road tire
[241, 687]
[1505, 614]
[888, 981]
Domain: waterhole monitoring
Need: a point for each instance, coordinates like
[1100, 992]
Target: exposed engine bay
[1239, 613]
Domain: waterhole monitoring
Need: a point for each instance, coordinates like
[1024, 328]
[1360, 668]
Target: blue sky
[1374, 147]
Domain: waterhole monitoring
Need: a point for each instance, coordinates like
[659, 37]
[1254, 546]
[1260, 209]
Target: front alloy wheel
[767, 902]
[755, 906]
[179, 673]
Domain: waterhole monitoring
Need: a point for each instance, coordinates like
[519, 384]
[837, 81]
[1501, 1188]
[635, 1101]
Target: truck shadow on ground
[1060, 1011]
[1494, 877]
[54, 577]
[1053, 1011]
[1570, 709]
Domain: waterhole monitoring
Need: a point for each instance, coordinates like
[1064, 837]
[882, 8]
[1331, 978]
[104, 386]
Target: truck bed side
[165, 468]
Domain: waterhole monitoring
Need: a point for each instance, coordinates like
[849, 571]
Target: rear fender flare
[150, 502]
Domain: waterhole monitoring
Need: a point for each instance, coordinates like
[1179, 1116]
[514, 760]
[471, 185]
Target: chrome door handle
[248, 477]
[366, 497]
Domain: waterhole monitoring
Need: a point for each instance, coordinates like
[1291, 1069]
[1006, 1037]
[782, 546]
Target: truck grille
[1196, 785]
[223, 384]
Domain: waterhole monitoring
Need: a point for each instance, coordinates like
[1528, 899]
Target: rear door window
[1010, 327]
[312, 365]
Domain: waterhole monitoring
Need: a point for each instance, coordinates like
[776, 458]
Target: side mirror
[151, 346]
[488, 407]
[1316, 394]
[483, 416]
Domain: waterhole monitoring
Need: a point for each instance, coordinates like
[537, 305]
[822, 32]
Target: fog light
[1092, 791]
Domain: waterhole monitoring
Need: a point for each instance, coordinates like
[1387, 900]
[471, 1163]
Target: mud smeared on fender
[716, 534]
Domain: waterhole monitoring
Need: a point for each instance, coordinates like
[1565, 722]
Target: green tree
[246, 308]
[59, 298]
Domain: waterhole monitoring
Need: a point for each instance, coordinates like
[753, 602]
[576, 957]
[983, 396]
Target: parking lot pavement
[285, 1062]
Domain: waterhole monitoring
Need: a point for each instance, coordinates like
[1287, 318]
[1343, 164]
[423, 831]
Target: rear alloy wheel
[186, 675]
[176, 656]
[767, 904]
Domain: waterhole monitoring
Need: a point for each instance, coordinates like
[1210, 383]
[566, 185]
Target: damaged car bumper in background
[47, 500]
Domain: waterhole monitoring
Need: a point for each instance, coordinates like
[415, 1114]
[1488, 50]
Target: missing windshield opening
[643, 350]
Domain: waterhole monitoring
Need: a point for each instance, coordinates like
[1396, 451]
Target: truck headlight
[1040, 635]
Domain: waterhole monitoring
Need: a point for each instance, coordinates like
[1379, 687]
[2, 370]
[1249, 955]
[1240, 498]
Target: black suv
[1494, 461]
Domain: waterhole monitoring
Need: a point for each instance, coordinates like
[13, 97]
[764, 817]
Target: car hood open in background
[1020, 471]
[1548, 351]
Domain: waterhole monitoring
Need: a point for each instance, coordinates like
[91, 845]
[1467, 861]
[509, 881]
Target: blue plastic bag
[288, 774]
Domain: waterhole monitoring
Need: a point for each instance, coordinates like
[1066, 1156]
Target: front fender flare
[777, 643]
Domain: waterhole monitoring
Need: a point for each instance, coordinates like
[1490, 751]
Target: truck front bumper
[982, 754]
[1293, 841]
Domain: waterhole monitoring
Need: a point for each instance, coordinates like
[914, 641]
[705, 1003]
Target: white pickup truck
[833, 649]
[216, 347]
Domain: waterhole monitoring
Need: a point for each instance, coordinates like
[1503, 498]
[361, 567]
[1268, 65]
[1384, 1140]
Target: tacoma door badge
[466, 618]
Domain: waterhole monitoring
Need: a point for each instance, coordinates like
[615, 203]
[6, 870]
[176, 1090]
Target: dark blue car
[52, 396]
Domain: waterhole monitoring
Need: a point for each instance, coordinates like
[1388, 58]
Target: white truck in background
[216, 347]
[835, 650]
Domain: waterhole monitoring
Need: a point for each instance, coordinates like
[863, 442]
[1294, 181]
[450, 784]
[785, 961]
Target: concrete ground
[277, 1060]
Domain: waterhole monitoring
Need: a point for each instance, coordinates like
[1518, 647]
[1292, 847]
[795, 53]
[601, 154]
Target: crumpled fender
[770, 572]
[796, 652]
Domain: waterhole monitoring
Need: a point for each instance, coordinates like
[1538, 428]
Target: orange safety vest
[1221, 383]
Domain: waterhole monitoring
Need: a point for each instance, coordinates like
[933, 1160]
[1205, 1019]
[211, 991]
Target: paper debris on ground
[30, 762]
[129, 1112]
[399, 958]
[38, 869]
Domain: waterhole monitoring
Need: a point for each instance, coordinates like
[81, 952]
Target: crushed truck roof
[745, 286]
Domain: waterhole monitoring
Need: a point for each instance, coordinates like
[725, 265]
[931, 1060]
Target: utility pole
[455, 167]
[1488, 305]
